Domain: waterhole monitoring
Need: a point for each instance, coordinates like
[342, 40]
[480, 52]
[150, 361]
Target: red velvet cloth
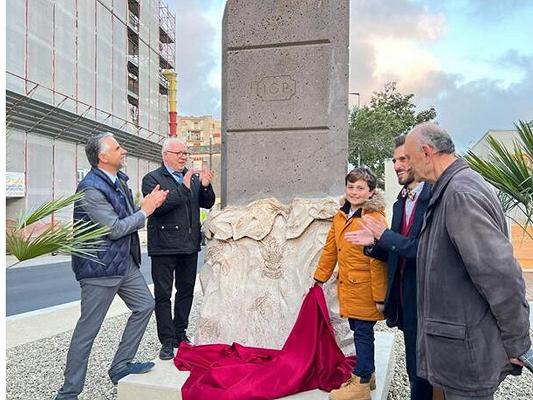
[310, 359]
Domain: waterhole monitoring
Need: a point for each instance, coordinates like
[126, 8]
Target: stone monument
[284, 150]
[285, 128]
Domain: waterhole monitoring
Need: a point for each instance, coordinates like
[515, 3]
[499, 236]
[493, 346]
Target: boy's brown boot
[372, 381]
[352, 389]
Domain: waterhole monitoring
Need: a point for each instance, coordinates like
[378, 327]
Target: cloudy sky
[471, 60]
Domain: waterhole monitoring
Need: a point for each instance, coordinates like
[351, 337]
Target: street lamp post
[358, 108]
[210, 152]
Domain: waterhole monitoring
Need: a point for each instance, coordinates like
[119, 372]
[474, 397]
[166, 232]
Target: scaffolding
[75, 68]
[167, 36]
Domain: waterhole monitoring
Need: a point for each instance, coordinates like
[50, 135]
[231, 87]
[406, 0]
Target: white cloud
[401, 60]
[388, 42]
[432, 26]
[392, 41]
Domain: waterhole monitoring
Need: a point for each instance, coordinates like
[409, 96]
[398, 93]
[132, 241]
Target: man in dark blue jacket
[174, 240]
[115, 270]
[398, 246]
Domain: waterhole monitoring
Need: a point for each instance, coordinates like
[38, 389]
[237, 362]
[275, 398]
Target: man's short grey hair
[95, 146]
[170, 140]
[399, 141]
[432, 134]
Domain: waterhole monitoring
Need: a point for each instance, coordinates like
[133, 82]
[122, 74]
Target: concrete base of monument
[164, 382]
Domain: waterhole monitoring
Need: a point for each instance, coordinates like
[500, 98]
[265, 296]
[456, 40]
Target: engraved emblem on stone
[276, 88]
[262, 306]
[272, 254]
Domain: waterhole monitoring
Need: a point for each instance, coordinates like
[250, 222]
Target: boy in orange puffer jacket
[361, 280]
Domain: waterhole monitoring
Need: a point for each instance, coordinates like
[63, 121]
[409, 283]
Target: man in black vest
[115, 270]
[398, 246]
[174, 240]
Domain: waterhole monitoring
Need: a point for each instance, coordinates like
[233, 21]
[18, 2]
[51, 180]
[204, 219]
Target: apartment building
[203, 136]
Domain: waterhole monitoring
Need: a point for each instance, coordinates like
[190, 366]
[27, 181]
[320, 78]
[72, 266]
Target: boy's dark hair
[362, 173]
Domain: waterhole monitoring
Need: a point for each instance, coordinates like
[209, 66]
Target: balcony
[134, 59]
[133, 22]
[133, 55]
[133, 86]
[134, 6]
[163, 81]
[163, 84]
[134, 114]
[167, 55]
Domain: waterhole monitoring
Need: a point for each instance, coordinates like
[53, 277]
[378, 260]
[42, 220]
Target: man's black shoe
[180, 339]
[166, 352]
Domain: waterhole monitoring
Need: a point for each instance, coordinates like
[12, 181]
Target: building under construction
[74, 68]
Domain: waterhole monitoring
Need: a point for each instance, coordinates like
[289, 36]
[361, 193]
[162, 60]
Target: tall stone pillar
[284, 99]
[284, 155]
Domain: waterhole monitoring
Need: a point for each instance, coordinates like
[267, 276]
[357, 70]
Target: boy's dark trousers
[363, 334]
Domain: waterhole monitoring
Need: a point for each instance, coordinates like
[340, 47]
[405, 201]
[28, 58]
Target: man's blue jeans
[363, 335]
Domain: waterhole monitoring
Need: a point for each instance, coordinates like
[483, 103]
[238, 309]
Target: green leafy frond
[47, 209]
[510, 171]
[80, 238]
[526, 136]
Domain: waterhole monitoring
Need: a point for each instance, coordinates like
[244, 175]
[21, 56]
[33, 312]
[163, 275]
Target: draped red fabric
[310, 359]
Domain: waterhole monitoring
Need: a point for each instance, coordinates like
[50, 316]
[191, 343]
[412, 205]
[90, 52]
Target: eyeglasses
[179, 153]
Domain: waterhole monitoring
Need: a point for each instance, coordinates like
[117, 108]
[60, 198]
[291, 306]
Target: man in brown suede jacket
[473, 317]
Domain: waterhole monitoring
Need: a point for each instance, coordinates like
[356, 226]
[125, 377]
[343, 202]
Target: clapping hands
[205, 174]
[153, 200]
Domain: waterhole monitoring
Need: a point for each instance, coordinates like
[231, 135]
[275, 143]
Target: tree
[373, 128]
[510, 171]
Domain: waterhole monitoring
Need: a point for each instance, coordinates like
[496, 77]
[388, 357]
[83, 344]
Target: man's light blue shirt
[171, 171]
[109, 175]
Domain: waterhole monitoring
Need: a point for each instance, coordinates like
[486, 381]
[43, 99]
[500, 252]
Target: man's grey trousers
[95, 302]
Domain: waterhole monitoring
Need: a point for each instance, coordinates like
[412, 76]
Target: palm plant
[511, 172]
[80, 238]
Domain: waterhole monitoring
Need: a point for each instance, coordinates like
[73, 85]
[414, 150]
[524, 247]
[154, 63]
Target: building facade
[74, 68]
[200, 132]
[203, 136]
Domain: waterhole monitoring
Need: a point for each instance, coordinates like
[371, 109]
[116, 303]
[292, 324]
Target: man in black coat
[398, 246]
[174, 240]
